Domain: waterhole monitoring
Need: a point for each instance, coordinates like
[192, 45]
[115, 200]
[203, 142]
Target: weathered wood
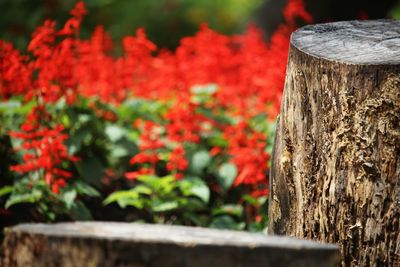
[124, 244]
[336, 163]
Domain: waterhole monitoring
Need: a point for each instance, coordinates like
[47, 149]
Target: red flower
[142, 171]
[177, 160]
[296, 9]
[44, 149]
[15, 74]
[72, 25]
[79, 10]
[215, 151]
[247, 149]
[248, 73]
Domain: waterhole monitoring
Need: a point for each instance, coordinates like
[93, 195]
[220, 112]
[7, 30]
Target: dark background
[166, 21]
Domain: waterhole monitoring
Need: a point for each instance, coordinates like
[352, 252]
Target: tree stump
[335, 172]
[140, 245]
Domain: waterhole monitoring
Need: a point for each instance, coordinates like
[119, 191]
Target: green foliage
[165, 199]
[50, 205]
[227, 173]
[395, 12]
[200, 160]
[205, 196]
[186, 201]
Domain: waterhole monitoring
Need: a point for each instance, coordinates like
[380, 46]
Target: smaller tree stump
[123, 244]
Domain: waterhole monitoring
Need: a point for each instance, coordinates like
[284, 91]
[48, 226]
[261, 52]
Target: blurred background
[166, 21]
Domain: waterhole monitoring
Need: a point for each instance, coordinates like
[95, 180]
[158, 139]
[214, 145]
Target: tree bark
[336, 163]
[139, 245]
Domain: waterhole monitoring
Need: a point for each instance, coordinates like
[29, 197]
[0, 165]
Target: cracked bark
[336, 163]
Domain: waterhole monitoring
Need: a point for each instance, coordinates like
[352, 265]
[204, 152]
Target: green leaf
[84, 118]
[218, 140]
[142, 189]
[203, 93]
[227, 173]
[128, 198]
[69, 198]
[5, 190]
[270, 134]
[395, 12]
[83, 188]
[61, 103]
[156, 206]
[145, 109]
[256, 227]
[193, 204]
[166, 185]
[15, 106]
[121, 197]
[30, 197]
[200, 160]
[80, 212]
[114, 132]
[198, 220]
[251, 200]
[119, 152]
[235, 210]
[161, 185]
[208, 89]
[137, 203]
[91, 169]
[194, 186]
[76, 139]
[150, 180]
[226, 222]
[65, 120]
[9, 105]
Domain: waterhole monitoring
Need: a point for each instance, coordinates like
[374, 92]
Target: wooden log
[125, 244]
[335, 172]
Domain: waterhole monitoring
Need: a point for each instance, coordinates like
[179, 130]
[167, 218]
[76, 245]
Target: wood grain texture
[126, 244]
[335, 172]
[354, 42]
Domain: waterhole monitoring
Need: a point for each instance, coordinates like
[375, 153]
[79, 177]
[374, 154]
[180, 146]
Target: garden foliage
[179, 137]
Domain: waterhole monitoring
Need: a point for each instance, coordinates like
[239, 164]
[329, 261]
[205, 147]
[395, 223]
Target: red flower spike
[248, 73]
[296, 9]
[44, 149]
[79, 10]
